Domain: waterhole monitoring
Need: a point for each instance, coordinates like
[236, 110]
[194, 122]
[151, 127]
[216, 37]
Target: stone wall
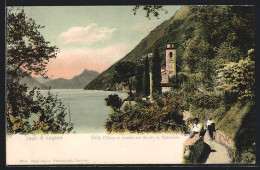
[225, 140]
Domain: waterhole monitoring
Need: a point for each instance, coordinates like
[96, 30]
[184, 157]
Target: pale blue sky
[92, 37]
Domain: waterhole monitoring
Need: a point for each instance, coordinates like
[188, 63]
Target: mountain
[32, 82]
[42, 80]
[77, 82]
[169, 31]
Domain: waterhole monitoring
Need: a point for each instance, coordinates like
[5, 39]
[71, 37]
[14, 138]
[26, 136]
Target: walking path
[218, 154]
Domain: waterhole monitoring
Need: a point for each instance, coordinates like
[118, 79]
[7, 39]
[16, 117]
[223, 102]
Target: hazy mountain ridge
[77, 82]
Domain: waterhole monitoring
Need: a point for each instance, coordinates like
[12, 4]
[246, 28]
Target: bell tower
[170, 59]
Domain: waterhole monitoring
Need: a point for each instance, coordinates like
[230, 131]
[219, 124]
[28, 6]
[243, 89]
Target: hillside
[77, 82]
[169, 31]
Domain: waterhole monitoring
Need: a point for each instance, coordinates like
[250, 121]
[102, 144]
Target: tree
[156, 72]
[239, 78]
[27, 50]
[27, 54]
[146, 77]
[125, 72]
[150, 9]
[139, 79]
[114, 102]
[51, 115]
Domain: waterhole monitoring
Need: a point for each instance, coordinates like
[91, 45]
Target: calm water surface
[87, 108]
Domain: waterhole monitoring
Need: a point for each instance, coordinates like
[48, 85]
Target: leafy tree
[150, 9]
[125, 72]
[51, 115]
[27, 50]
[27, 54]
[238, 78]
[19, 106]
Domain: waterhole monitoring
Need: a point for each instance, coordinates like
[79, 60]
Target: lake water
[87, 108]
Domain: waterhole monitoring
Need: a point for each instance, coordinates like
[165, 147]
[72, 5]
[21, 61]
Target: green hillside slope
[169, 31]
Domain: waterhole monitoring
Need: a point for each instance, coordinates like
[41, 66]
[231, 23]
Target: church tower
[170, 59]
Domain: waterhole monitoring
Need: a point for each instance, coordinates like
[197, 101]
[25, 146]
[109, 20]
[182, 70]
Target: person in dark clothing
[211, 128]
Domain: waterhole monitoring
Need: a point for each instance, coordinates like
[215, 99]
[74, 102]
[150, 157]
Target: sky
[92, 37]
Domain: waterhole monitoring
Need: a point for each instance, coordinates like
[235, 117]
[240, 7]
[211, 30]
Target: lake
[87, 108]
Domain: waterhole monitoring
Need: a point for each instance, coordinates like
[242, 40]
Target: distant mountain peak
[77, 82]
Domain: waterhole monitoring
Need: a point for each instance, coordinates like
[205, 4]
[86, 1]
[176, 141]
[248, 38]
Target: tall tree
[146, 77]
[27, 50]
[156, 72]
[27, 54]
[125, 72]
[139, 79]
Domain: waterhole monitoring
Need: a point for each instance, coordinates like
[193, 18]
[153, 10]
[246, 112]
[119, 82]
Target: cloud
[88, 34]
[72, 62]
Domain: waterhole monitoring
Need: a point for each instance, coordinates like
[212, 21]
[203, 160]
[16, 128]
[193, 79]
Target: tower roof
[170, 45]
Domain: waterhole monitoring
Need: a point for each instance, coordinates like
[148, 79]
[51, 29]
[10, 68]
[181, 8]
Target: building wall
[165, 78]
[170, 62]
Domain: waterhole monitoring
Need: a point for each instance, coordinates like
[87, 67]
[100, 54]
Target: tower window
[170, 54]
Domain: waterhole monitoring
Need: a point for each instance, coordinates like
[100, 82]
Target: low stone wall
[225, 140]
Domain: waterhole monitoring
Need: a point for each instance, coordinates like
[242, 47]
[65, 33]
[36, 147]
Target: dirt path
[218, 154]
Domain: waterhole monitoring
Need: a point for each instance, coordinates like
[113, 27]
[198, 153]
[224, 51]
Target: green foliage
[238, 79]
[207, 37]
[51, 115]
[206, 100]
[22, 105]
[125, 72]
[146, 77]
[24, 46]
[245, 136]
[162, 115]
[139, 85]
[217, 39]
[178, 80]
[150, 9]
[19, 106]
[156, 73]
[114, 102]
[214, 75]
[28, 53]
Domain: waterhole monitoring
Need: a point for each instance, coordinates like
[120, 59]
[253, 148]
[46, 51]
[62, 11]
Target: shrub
[51, 115]
[162, 115]
[114, 102]
[50, 111]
